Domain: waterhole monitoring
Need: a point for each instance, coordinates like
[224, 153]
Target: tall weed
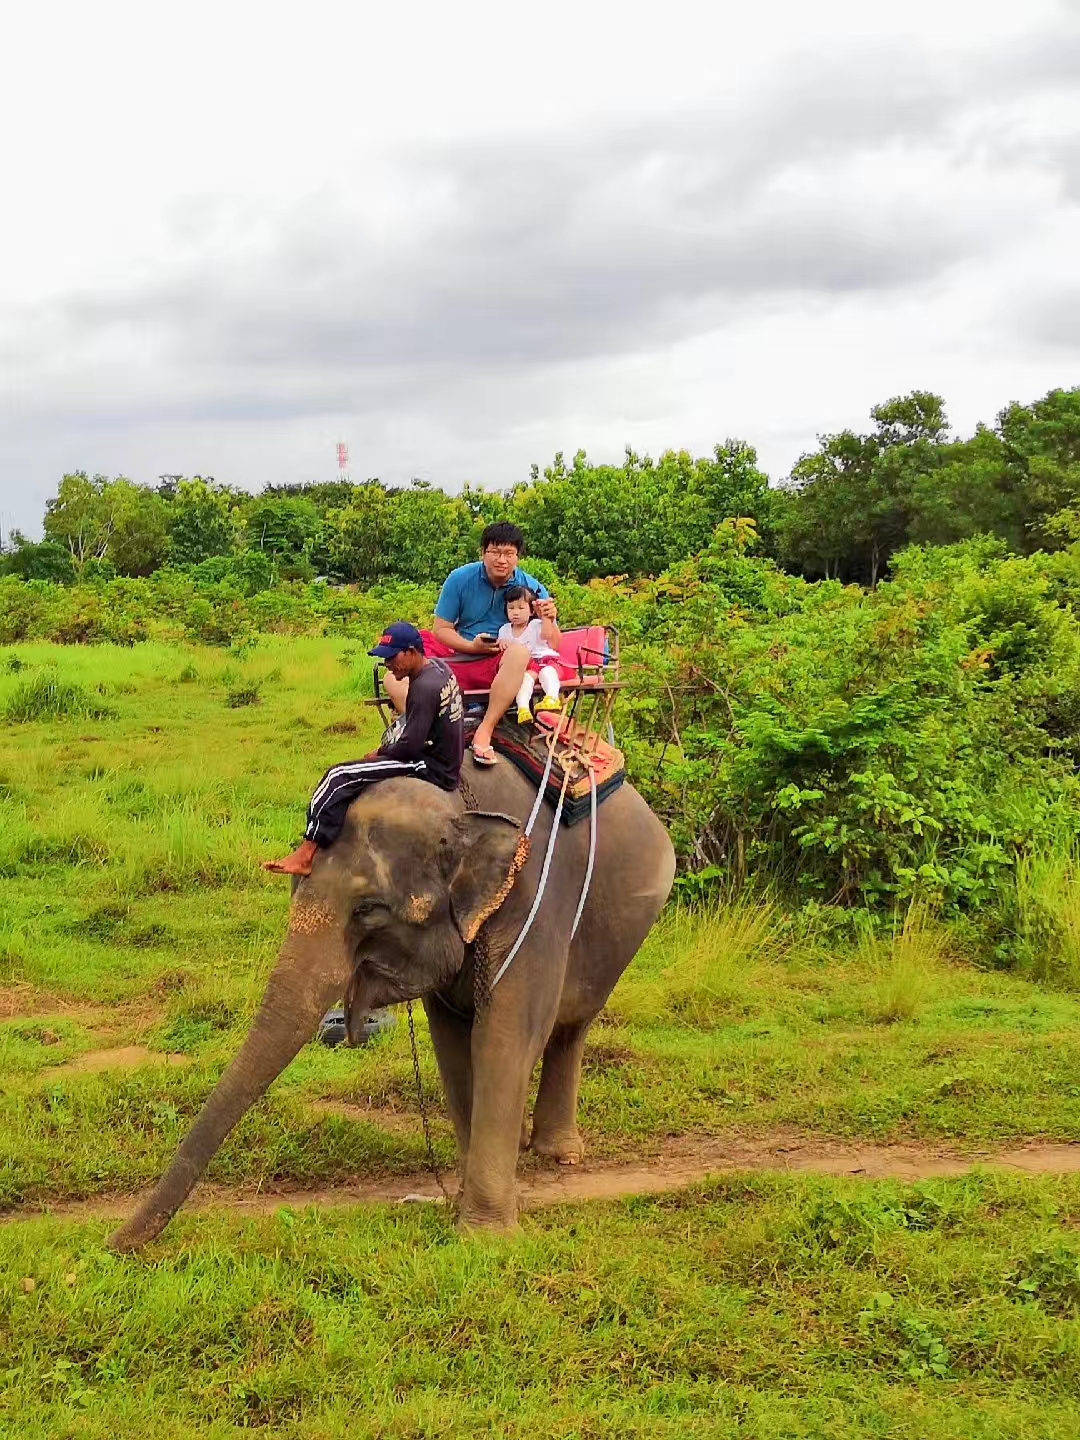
[74, 834]
[904, 966]
[1048, 915]
[182, 846]
[44, 697]
[718, 955]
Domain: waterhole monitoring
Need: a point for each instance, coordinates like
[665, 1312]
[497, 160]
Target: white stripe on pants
[340, 786]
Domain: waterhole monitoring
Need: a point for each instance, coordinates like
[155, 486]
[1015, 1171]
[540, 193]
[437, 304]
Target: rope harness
[550, 853]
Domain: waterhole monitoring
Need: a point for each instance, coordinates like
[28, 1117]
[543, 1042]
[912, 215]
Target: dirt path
[123, 1057]
[682, 1161]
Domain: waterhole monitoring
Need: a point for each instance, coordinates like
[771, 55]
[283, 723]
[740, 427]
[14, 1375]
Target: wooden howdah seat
[580, 735]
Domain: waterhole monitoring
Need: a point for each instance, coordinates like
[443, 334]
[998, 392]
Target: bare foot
[298, 863]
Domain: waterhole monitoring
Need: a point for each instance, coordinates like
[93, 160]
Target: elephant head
[386, 913]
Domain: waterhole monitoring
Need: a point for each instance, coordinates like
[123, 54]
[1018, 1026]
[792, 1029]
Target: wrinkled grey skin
[393, 901]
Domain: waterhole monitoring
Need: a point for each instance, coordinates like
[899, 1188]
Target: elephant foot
[487, 1210]
[486, 1227]
[563, 1149]
[485, 1221]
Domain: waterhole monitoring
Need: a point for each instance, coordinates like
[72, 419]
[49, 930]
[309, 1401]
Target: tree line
[844, 510]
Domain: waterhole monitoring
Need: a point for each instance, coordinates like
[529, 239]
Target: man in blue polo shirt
[470, 610]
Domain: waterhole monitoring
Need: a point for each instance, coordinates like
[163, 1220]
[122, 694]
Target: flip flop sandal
[484, 755]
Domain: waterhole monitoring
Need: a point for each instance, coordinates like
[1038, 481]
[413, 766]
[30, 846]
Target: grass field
[139, 788]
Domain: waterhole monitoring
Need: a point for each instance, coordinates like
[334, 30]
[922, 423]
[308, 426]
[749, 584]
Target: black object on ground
[333, 1031]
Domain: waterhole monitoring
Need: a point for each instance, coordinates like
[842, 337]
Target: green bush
[46, 698]
[245, 695]
[859, 748]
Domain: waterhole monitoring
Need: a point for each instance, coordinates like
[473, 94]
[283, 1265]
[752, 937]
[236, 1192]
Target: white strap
[592, 853]
[540, 888]
[540, 793]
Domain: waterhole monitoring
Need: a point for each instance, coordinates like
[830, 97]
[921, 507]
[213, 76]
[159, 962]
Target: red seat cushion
[589, 644]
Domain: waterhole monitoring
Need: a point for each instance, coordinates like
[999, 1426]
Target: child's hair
[520, 592]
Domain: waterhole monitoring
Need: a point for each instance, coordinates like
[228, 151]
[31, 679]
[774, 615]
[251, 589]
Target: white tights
[549, 683]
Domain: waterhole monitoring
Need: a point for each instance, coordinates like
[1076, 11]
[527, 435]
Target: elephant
[391, 911]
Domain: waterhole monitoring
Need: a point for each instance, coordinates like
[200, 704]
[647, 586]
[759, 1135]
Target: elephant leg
[555, 1132]
[451, 1037]
[501, 1076]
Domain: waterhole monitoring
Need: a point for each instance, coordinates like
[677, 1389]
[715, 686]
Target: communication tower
[342, 460]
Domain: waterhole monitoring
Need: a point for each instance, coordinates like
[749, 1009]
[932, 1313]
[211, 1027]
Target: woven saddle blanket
[578, 752]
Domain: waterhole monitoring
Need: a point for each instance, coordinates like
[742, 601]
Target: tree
[907, 419]
[854, 496]
[79, 516]
[43, 560]
[357, 534]
[286, 529]
[109, 521]
[1043, 443]
[325, 495]
[638, 517]
[430, 533]
[139, 539]
[726, 486]
[485, 506]
[202, 521]
[977, 489]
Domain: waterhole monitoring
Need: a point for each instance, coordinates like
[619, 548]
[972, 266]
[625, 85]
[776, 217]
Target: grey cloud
[1050, 55]
[1050, 318]
[561, 249]
[534, 258]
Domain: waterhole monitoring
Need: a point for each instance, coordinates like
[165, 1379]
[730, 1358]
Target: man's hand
[546, 610]
[485, 645]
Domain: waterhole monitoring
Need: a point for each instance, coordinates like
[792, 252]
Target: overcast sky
[461, 237]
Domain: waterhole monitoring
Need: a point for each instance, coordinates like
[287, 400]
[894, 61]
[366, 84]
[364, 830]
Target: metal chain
[433, 1164]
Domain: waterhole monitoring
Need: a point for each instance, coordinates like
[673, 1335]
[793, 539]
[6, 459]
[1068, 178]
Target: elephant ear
[493, 851]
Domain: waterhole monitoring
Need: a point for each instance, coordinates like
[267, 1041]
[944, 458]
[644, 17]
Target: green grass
[762, 1307]
[133, 911]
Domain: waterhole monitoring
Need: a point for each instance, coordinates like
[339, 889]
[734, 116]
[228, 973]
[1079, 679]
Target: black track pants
[340, 786]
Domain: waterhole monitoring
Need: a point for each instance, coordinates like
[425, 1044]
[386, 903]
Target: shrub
[46, 698]
[866, 749]
[246, 695]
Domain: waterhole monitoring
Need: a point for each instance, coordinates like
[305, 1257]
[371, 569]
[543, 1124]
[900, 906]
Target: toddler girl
[541, 637]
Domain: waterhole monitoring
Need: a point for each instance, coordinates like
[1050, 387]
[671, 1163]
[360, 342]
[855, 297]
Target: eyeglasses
[502, 552]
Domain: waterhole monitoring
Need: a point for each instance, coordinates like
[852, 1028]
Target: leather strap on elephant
[483, 983]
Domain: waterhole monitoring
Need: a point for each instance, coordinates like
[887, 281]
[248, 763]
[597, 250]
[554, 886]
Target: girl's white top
[538, 647]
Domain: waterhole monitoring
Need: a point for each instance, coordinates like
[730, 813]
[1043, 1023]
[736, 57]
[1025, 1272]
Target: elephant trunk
[311, 973]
